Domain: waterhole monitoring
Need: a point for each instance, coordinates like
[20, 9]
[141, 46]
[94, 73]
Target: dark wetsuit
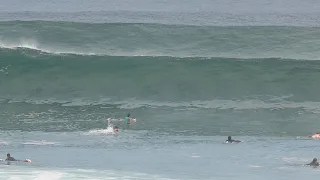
[10, 159]
[229, 140]
[313, 163]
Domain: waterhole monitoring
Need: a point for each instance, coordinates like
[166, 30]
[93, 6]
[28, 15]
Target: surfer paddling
[230, 140]
[10, 158]
[128, 119]
[113, 129]
[314, 162]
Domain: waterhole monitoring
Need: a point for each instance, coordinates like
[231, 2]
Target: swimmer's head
[116, 128]
[314, 160]
[8, 155]
[229, 138]
[128, 115]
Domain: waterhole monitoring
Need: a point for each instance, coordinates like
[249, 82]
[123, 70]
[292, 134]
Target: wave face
[248, 80]
[28, 73]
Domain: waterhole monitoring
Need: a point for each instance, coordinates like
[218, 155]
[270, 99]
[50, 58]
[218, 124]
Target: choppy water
[192, 73]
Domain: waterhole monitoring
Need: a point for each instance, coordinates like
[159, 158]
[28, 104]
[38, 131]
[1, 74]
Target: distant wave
[272, 104]
[136, 39]
[32, 46]
[33, 50]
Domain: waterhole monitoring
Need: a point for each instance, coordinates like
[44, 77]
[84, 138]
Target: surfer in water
[9, 158]
[316, 136]
[314, 162]
[128, 119]
[116, 129]
[113, 129]
[230, 140]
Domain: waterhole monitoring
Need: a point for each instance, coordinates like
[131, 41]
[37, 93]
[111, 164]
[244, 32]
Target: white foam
[3, 143]
[20, 43]
[108, 131]
[33, 44]
[42, 142]
[48, 175]
[28, 174]
[70, 174]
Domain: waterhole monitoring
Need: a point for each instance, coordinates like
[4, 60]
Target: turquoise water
[192, 73]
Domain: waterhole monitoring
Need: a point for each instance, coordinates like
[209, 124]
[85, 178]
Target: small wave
[167, 40]
[272, 104]
[42, 142]
[31, 48]
[30, 45]
[224, 105]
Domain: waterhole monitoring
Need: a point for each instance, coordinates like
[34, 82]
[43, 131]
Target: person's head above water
[9, 158]
[314, 160]
[230, 140]
[116, 128]
[128, 115]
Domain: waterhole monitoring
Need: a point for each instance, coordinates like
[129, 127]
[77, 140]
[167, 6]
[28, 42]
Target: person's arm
[309, 164]
[11, 159]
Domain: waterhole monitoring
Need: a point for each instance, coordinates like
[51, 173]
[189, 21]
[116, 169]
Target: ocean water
[191, 72]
